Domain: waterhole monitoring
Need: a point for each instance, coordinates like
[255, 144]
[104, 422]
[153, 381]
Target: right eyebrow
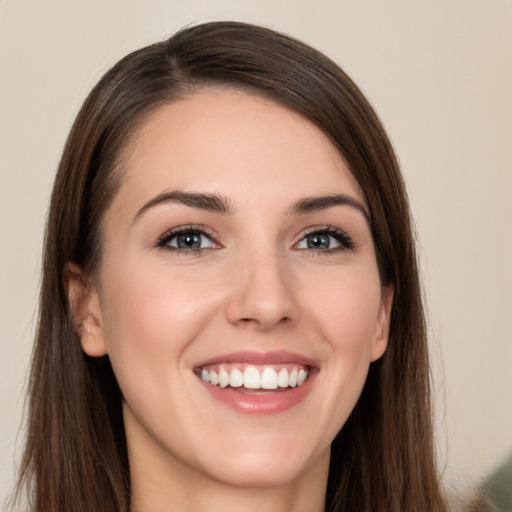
[210, 202]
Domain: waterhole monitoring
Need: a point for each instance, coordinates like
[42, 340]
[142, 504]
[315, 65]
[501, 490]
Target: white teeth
[214, 379]
[303, 374]
[236, 378]
[252, 378]
[283, 381]
[223, 378]
[269, 379]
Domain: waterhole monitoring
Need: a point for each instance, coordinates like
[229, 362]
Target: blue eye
[328, 239]
[189, 241]
[318, 241]
[186, 239]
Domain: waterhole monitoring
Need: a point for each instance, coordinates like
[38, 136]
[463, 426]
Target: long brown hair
[75, 456]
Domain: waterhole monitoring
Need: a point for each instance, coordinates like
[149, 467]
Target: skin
[256, 285]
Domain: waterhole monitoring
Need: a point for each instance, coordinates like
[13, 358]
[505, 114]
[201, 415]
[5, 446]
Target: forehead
[237, 143]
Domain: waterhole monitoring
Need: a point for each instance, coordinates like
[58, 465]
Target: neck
[158, 487]
[217, 498]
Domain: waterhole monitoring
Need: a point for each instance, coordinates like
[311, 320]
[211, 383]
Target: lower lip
[265, 404]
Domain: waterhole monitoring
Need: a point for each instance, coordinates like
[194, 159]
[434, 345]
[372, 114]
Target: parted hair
[75, 456]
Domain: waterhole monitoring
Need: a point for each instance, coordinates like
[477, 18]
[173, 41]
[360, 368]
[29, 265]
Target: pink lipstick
[258, 383]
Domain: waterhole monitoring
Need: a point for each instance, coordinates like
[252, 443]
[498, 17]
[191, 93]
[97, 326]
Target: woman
[230, 308]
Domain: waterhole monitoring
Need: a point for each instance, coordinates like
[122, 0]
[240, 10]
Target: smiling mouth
[248, 378]
[258, 383]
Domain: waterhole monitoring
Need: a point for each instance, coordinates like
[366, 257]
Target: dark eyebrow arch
[313, 204]
[210, 202]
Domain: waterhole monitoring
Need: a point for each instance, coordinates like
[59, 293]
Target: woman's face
[236, 250]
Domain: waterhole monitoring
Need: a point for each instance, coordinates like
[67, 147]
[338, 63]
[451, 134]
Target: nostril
[263, 323]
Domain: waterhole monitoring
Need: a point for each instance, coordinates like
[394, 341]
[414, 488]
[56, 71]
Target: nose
[262, 293]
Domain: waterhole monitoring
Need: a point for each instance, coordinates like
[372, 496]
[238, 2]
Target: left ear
[381, 332]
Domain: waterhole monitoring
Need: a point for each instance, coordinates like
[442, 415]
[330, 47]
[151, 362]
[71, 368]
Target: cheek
[345, 317]
[346, 307]
[152, 319]
[151, 312]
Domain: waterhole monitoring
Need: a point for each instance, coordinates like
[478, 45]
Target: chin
[268, 462]
[261, 472]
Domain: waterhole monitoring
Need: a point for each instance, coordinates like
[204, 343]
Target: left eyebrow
[313, 204]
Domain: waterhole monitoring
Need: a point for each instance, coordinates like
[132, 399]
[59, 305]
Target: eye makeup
[325, 239]
[193, 239]
[189, 239]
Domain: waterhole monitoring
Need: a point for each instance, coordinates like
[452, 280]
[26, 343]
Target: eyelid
[345, 241]
[197, 228]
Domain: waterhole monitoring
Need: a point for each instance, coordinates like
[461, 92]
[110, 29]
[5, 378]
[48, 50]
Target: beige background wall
[439, 74]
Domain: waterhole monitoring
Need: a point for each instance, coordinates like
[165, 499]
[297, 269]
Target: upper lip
[259, 358]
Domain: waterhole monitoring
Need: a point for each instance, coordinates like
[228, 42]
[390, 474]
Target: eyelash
[345, 241]
[164, 240]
